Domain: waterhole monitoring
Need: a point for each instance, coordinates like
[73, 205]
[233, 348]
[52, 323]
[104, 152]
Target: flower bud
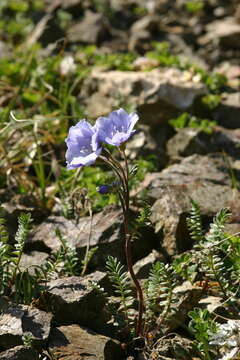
[103, 189]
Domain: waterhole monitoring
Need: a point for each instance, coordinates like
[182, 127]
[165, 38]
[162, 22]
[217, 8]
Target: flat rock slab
[175, 347]
[225, 31]
[17, 320]
[156, 94]
[91, 30]
[190, 141]
[143, 266]
[77, 343]
[204, 179]
[106, 233]
[187, 297]
[212, 169]
[227, 114]
[73, 300]
[20, 353]
[30, 260]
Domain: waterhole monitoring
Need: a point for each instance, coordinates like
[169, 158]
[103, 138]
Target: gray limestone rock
[225, 31]
[106, 234]
[227, 114]
[73, 300]
[149, 23]
[93, 29]
[143, 266]
[30, 260]
[187, 142]
[20, 353]
[76, 343]
[157, 94]
[17, 320]
[174, 347]
[187, 297]
[204, 179]
[190, 141]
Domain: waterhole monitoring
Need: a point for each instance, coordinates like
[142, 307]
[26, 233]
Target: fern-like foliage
[144, 217]
[27, 287]
[4, 236]
[68, 255]
[5, 274]
[159, 291]
[24, 222]
[212, 252]
[49, 269]
[120, 281]
[10, 257]
[216, 232]
[194, 222]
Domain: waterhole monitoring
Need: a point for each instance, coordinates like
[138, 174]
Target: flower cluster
[84, 141]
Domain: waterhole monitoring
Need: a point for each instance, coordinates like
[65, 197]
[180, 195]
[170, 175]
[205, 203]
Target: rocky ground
[177, 64]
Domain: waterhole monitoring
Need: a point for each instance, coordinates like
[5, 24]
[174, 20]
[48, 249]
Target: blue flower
[103, 189]
[83, 145]
[117, 128]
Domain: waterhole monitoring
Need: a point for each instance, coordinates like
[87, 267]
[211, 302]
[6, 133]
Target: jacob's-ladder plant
[86, 144]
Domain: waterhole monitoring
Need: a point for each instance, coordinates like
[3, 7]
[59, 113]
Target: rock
[75, 6]
[148, 142]
[20, 353]
[73, 300]
[225, 31]
[28, 261]
[211, 169]
[17, 320]
[187, 296]
[140, 42]
[77, 343]
[190, 141]
[232, 72]
[185, 51]
[106, 233]
[157, 95]
[205, 180]
[150, 23]
[227, 113]
[212, 304]
[227, 140]
[93, 29]
[52, 32]
[142, 267]
[21, 203]
[174, 347]
[143, 63]
[187, 142]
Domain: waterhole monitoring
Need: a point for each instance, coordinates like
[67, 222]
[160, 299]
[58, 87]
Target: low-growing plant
[11, 254]
[194, 6]
[123, 315]
[159, 294]
[161, 52]
[203, 327]
[188, 120]
[114, 130]
[217, 257]
[211, 101]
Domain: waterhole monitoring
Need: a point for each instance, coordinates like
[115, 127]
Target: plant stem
[123, 176]
[128, 251]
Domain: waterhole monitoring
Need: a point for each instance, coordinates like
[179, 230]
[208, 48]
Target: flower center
[117, 129]
[85, 150]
